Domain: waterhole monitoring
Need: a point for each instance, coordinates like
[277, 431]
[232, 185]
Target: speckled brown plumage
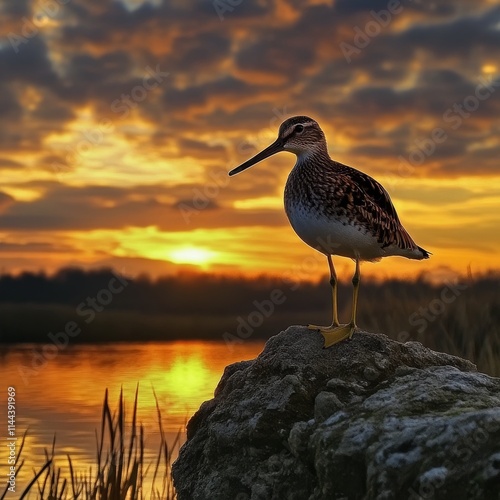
[338, 191]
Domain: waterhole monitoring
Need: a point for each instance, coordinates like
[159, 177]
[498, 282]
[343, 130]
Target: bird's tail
[425, 253]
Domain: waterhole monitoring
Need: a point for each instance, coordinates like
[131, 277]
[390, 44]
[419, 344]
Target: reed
[120, 471]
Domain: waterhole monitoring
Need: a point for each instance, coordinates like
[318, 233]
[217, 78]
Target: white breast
[333, 236]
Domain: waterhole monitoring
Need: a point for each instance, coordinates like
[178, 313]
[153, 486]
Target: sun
[192, 255]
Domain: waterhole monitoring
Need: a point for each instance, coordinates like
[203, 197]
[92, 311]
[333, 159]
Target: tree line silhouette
[109, 307]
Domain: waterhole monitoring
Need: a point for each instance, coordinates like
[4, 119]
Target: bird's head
[300, 135]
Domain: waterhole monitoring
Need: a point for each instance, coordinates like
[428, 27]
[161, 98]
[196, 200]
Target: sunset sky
[120, 120]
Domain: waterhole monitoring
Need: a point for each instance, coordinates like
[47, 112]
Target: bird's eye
[299, 129]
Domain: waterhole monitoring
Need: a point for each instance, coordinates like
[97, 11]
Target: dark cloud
[435, 92]
[441, 9]
[111, 23]
[6, 163]
[198, 148]
[9, 106]
[221, 92]
[264, 115]
[51, 109]
[11, 115]
[460, 36]
[271, 55]
[19, 8]
[31, 63]
[103, 207]
[89, 70]
[198, 53]
[38, 247]
[54, 163]
[98, 22]
[436, 196]
[194, 204]
[5, 201]
[452, 40]
[347, 7]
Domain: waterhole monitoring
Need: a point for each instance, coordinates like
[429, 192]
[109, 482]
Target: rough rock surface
[369, 418]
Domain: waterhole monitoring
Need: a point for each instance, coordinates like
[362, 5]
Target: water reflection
[65, 396]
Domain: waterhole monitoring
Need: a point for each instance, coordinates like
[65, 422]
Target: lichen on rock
[368, 418]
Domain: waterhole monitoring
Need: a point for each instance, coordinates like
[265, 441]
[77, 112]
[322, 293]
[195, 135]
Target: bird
[337, 210]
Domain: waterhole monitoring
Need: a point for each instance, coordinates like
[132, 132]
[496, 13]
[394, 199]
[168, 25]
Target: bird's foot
[334, 333]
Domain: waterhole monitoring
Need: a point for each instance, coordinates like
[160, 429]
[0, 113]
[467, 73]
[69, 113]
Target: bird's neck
[314, 159]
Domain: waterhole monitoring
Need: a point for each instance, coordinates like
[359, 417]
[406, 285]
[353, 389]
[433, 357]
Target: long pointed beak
[274, 148]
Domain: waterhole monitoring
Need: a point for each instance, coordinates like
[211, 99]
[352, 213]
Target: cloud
[226, 92]
[65, 208]
[30, 64]
[6, 164]
[18, 8]
[5, 201]
[206, 51]
[10, 109]
[191, 146]
[34, 247]
[461, 35]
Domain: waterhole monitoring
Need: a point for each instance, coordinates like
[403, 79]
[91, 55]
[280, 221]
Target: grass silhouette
[120, 471]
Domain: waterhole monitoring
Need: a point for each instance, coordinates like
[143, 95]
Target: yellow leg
[355, 290]
[335, 333]
[333, 283]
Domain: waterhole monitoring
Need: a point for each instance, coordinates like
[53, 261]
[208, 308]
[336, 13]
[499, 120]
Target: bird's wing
[372, 207]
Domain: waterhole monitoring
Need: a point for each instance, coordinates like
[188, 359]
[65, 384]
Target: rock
[369, 418]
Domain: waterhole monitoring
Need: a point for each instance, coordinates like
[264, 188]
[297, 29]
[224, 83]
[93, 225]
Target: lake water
[64, 396]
